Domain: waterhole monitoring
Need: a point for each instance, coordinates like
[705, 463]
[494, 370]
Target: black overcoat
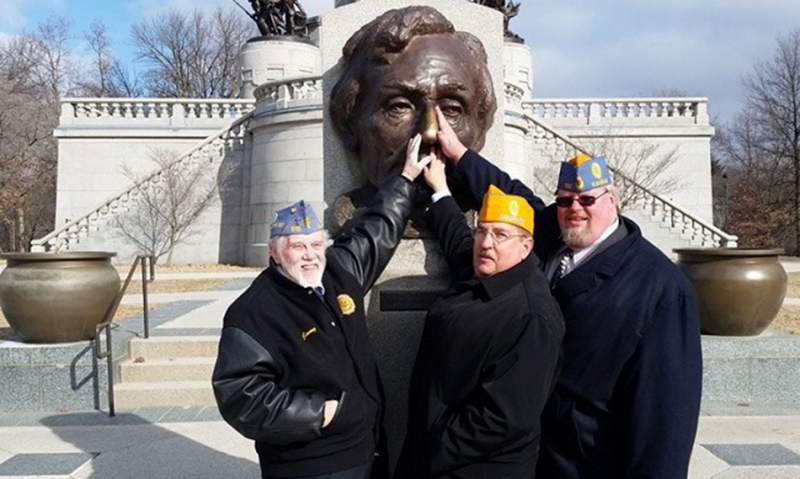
[486, 364]
[626, 404]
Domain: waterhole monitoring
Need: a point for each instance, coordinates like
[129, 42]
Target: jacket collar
[499, 283]
[603, 263]
[275, 274]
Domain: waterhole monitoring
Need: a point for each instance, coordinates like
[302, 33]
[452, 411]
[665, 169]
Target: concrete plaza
[734, 441]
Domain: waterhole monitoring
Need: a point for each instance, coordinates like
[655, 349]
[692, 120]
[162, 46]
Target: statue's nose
[430, 127]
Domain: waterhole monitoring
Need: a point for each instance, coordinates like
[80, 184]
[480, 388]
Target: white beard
[305, 277]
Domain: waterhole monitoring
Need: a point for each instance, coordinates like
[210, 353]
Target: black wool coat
[627, 401]
[486, 365]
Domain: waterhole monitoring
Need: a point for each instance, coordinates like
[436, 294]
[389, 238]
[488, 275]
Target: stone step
[173, 347]
[163, 394]
[167, 369]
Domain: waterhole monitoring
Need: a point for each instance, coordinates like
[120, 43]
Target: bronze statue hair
[379, 41]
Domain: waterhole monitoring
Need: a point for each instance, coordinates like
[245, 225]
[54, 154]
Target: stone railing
[77, 110]
[672, 111]
[514, 95]
[684, 223]
[209, 149]
[290, 89]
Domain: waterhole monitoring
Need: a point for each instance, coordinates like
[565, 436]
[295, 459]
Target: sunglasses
[585, 200]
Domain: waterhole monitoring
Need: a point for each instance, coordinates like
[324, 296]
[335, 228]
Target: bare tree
[164, 212]
[761, 152]
[639, 161]
[191, 55]
[642, 163]
[754, 181]
[35, 70]
[105, 75]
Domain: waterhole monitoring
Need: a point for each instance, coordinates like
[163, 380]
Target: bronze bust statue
[395, 70]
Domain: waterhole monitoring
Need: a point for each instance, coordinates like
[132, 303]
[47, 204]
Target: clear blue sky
[581, 48]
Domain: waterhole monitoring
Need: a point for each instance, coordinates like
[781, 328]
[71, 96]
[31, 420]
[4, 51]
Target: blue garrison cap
[584, 173]
[298, 219]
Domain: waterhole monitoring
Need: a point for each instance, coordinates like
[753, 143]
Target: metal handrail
[109, 316]
[725, 238]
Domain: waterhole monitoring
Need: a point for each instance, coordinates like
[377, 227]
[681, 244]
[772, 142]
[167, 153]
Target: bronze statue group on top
[278, 17]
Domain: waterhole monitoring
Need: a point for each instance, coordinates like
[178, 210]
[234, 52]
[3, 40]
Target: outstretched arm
[366, 248]
[473, 173]
[447, 222]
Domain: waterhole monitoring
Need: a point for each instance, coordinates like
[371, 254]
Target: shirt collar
[585, 252]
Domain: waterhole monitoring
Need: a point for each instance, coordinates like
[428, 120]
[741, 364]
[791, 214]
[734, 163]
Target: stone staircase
[664, 223]
[210, 150]
[164, 371]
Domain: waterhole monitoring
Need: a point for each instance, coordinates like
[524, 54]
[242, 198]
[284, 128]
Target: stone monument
[282, 50]
[376, 109]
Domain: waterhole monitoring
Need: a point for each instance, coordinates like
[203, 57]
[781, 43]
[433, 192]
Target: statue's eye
[452, 109]
[398, 106]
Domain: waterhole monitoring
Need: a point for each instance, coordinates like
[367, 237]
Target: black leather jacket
[284, 352]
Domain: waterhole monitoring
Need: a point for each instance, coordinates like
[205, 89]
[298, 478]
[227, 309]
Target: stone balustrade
[675, 110]
[210, 149]
[153, 110]
[288, 89]
[306, 92]
[687, 225]
[671, 111]
[513, 95]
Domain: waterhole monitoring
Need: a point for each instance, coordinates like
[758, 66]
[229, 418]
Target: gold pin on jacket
[308, 333]
[346, 304]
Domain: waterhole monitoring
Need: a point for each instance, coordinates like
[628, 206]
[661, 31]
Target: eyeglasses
[585, 200]
[498, 237]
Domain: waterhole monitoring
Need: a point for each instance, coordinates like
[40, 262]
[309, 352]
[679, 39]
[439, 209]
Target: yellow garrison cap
[502, 208]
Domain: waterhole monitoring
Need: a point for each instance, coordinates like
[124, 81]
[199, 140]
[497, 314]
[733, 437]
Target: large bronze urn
[57, 298]
[739, 290]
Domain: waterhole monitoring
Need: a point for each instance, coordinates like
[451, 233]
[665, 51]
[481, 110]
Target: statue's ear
[348, 135]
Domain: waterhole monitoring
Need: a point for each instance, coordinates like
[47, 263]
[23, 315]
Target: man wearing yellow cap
[490, 346]
[627, 400]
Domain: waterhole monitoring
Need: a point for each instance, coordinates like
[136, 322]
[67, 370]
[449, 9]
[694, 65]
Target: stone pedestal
[518, 66]
[285, 163]
[264, 59]
[397, 306]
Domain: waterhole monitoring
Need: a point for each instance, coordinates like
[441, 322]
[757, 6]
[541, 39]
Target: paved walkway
[755, 441]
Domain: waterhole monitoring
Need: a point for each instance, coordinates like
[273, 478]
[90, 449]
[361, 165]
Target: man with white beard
[295, 370]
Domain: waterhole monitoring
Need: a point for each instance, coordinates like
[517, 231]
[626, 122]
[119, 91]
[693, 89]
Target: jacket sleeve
[473, 174]
[366, 248]
[505, 406]
[447, 222]
[250, 399]
[664, 395]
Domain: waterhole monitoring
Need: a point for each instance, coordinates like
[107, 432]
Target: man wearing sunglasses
[627, 400]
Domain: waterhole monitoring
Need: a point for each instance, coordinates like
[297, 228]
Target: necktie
[562, 267]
